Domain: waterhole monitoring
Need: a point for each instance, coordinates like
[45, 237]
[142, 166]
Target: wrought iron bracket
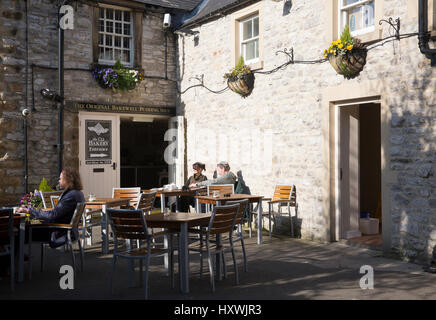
[289, 53]
[394, 25]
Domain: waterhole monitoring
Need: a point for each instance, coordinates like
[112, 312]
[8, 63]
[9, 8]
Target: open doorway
[142, 148]
[359, 180]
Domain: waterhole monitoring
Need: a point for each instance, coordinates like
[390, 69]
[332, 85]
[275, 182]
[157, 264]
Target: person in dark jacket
[185, 202]
[69, 181]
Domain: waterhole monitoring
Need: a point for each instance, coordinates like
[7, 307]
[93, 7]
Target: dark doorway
[142, 148]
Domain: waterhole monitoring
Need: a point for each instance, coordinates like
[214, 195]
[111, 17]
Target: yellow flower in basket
[350, 47]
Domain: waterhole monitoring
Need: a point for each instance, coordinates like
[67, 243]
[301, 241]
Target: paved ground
[279, 269]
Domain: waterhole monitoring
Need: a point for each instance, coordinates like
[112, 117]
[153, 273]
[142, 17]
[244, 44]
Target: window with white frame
[358, 14]
[249, 39]
[115, 36]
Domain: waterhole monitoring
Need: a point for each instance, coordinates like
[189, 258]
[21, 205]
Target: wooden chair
[131, 225]
[69, 228]
[130, 193]
[284, 196]
[7, 239]
[46, 198]
[54, 201]
[222, 222]
[237, 234]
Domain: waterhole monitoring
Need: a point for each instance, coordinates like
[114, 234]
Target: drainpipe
[61, 93]
[424, 34]
[26, 176]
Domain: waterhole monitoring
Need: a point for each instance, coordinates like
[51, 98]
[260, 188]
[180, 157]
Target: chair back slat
[78, 212]
[222, 219]
[128, 224]
[282, 192]
[46, 198]
[242, 207]
[222, 188]
[54, 201]
[7, 223]
[146, 201]
[130, 193]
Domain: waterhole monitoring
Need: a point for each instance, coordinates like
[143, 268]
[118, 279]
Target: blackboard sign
[98, 141]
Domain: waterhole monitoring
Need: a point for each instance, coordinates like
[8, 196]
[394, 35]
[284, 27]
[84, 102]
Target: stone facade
[280, 133]
[155, 90]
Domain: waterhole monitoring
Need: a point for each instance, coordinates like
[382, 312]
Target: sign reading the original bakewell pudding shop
[98, 137]
[116, 108]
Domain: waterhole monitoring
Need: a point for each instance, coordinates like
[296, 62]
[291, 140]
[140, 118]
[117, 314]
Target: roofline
[218, 13]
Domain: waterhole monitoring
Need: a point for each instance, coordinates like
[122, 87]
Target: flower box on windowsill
[116, 77]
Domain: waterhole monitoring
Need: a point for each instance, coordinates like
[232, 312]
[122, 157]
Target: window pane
[256, 27]
[101, 13]
[247, 30]
[347, 2]
[251, 51]
[368, 15]
[101, 26]
[109, 26]
[100, 39]
[108, 54]
[118, 28]
[127, 29]
[126, 16]
[108, 40]
[126, 56]
[117, 54]
[101, 54]
[117, 42]
[109, 14]
[126, 43]
[118, 15]
[354, 19]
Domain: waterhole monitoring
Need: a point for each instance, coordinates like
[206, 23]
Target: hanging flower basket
[117, 77]
[347, 55]
[242, 84]
[240, 79]
[349, 65]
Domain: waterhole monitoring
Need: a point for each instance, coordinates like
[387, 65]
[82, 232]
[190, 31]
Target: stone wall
[155, 90]
[278, 133]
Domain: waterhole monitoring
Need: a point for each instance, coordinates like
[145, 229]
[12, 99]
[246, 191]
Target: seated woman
[185, 202]
[69, 180]
[225, 176]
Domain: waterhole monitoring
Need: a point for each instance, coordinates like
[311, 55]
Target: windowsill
[256, 66]
[368, 38]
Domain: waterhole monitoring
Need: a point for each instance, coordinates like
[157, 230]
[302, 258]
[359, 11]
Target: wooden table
[176, 193]
[102, 204]
[180, 221]
[221, 200]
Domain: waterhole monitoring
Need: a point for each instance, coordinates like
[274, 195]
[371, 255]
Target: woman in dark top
[184, 201]
[69, 180]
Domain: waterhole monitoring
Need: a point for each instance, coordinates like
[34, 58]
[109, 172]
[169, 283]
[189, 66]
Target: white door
[176, 147]
[349, 172]
[99, 164]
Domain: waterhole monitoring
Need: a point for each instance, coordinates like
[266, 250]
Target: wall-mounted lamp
[50, 95]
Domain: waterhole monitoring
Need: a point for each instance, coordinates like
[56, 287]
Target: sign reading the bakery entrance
[113, 108]
[98, 142]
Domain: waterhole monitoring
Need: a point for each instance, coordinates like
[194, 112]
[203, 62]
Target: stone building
[348, 145]
[300, 125]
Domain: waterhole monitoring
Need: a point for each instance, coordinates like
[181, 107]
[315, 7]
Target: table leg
[259, 221]
[21, 251]
[218, 259]
[162, 203]
[184, 258]
[165, 243]
[104, 231]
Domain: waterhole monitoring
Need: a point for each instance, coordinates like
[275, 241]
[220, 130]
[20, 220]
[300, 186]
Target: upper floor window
[115, 36]
[358, 14]
[249, 39]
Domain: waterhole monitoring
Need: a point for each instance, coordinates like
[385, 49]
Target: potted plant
[240, 79]
[347, 55]
[117, 77]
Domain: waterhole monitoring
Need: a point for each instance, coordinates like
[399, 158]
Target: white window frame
[113, 34]
[242, 42]
[342, 17]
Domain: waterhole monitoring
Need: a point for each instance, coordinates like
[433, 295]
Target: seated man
[69, 180]
[225, 176]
